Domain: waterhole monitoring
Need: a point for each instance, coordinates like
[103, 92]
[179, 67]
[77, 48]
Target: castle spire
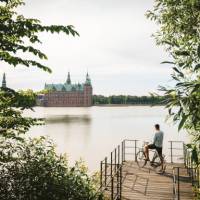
[4, 81]
[88, 80]
[68, 78]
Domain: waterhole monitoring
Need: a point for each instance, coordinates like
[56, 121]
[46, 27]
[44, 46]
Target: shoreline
[125, 105]
[102, 105]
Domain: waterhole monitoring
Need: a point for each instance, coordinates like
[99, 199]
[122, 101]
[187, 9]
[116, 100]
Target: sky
[115, 47]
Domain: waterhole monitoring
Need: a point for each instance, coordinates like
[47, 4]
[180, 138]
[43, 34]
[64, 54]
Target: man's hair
[157, 126]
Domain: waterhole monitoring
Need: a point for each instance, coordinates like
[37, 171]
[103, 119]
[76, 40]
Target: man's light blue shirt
[158, 139]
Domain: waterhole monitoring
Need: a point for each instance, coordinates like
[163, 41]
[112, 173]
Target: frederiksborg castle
[67, 94]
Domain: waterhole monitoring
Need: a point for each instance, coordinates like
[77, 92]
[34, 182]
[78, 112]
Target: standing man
[157, 144]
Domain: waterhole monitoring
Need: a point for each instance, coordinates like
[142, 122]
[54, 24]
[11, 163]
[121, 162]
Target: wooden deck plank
[145, 184]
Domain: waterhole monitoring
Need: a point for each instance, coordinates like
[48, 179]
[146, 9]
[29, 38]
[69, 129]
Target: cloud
[115, 46]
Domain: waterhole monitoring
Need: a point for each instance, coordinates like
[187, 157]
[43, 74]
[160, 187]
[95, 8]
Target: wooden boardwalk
[145, 184]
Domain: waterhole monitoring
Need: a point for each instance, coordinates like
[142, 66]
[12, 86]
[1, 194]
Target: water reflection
[85, 119]
[92, 133]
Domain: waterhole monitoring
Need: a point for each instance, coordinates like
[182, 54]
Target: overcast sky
[115, 46]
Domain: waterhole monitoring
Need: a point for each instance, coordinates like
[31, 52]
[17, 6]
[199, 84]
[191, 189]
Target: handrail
[176, 191]
[172, 147]
[111, 168]
[118, 196]
[193, 170]
[110, 183]
[174, 185]
[134, 146]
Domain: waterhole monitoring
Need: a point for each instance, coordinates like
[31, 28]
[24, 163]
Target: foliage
[30, 169]
[11, 119]
[179, 33]
[128, 99]
[18, 34]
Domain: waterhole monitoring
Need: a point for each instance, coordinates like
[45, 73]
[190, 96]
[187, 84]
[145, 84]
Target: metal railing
[193, 169]
[193, 172]
[177, 146]
[176, 183]
[178, 178]
[129, 148]
[111, 175]
[111, 168]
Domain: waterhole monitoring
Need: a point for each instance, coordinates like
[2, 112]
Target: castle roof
[68, 86]
[64, 87]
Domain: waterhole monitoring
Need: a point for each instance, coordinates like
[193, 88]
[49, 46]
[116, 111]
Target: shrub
[30, 169]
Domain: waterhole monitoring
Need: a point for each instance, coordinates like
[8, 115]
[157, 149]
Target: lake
[92, 133]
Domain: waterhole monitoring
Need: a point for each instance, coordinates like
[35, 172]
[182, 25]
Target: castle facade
[67, 94]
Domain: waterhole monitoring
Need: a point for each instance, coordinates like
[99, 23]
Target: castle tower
[87, 91]
[4, 81]
[88, 80]
[68, 79]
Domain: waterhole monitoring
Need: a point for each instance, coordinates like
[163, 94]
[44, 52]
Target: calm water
[92, 133]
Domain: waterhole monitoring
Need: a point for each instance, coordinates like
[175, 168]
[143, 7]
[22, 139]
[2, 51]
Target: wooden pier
[146, 184]
[122, 179]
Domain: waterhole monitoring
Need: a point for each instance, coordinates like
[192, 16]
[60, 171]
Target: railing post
[198, 176]
[178, 183]
[122, 153]
[135, 149]
[174, 183]
[115, 159]
[124, 150]
[101, 175]
[118, 154]
[112, 188]
[184, 154]
[171, 151]
[187, 161]
[105, 181]
[111, 159]
[120, 183]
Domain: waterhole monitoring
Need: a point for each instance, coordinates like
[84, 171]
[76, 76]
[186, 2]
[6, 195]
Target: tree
[15, 29]
[30, 168]
[179, 33]
[11, 106]
[123, 99]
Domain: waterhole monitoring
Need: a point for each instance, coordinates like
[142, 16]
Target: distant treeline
[116, 99]
[127, 99]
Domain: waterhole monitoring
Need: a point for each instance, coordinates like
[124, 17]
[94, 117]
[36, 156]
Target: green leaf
[175, 78]
[168, 62]
[198, 51]
[189, 146]
[182, 53]
[181, 64]
[197, 67]
[195, 155]
[181, 124]
[179, 72]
